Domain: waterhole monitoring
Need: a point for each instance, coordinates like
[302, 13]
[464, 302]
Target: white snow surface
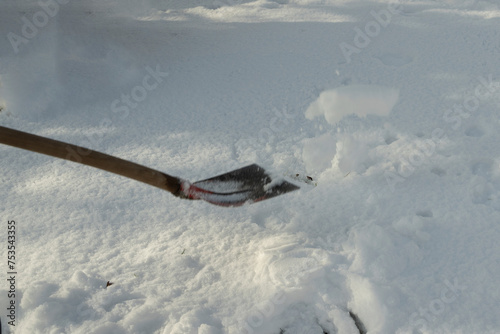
[360, 100]
[402, 229]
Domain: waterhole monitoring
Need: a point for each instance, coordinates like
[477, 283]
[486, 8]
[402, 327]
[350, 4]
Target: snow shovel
[245, 185]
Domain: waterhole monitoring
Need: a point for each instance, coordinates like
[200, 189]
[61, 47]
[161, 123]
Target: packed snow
[360, 100]
[389, 108]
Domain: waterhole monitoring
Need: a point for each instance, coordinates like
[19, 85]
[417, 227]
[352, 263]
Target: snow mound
[360, 100]
[347, 152]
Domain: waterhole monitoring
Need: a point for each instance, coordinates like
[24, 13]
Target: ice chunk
[360, 100]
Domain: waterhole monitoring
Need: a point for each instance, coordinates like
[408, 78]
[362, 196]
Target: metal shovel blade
[245, 185]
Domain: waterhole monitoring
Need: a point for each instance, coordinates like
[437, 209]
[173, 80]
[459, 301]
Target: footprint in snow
[438, 171]
[389, 139]
[395, 60]
[425, 213]
[474, 131]
[482, 184]
[482, 168]
[481, 190]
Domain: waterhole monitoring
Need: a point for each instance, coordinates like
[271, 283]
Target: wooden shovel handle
[89, 157]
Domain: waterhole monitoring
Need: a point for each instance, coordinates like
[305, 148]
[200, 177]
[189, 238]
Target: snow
[391, 107]
[361, 100]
